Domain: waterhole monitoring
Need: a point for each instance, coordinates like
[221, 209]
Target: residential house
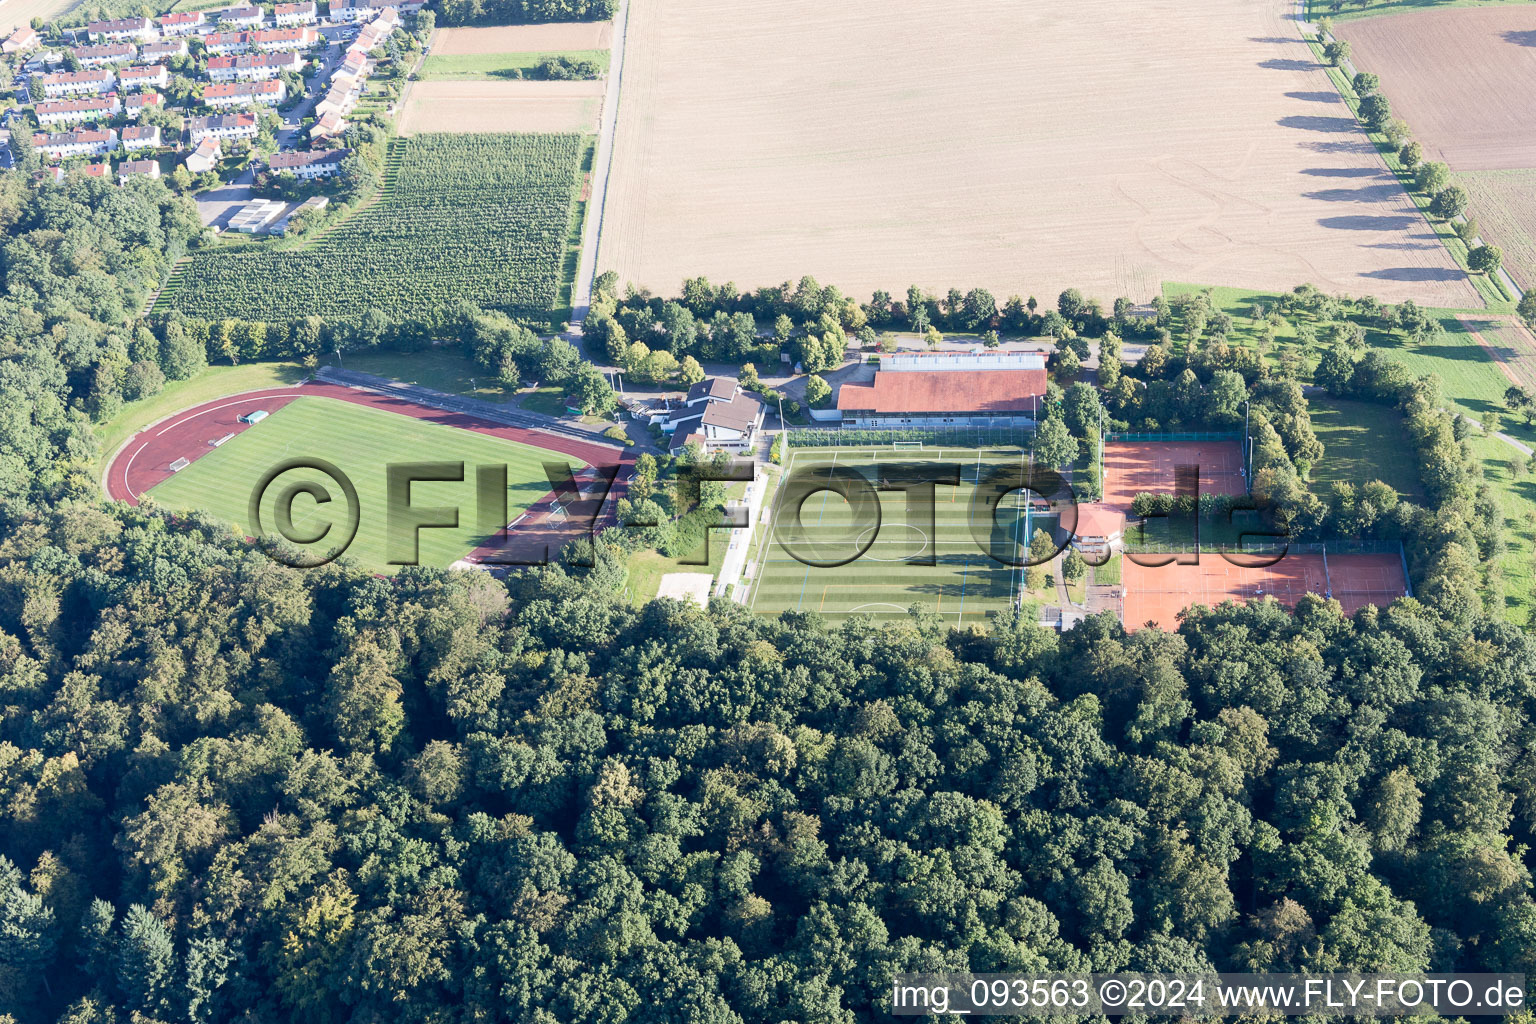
[164, 50]
[366, 10]
[309, 165]
[244, 94]
[718, 413]
[964, 389]
[220, 43]
[328, 126]
[96, 108]
[78, 83]
[240, 17]
[371, 37]
[253, 67]
[97, 170]
[122, 28]
[65, 145]
[137, 169]
[101, 56]
[296, 14]
[272, 40]
[22, 40]
[138, 137]
[155, 76]
[225, 127]
[340, 100]
[182, 23]
[354, 64]
[205, 157]
[138, 102]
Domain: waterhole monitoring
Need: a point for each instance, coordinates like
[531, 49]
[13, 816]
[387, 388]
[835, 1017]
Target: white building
[136, 137]
[273, 40]
[101, 56]
[328, 126]
[164, 50]
[140, 101]
[224, 127]
[240, 17]
[137, 169]
[309, 165]
[244, 94]
[122, 28]
[78, 83]
[221, 43]
[22, 40]
[253, 67]
[296, 14]
[102, 108]
[66, 145]
[254, 217]
[363, 10]
[182, 23]
[156, 76]
[718, 413]
[205, 157]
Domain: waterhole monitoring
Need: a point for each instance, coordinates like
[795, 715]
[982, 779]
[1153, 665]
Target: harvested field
[491, 106]
[1504, 203]
[550, 38]
[1023, 148]
[1464, 80]
[17, 13]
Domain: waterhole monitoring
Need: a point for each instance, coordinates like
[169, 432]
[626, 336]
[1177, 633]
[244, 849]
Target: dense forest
[233, 791]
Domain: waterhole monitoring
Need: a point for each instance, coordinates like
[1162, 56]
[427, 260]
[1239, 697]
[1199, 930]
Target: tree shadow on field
[1317, 123]
[1415, 274]
[1289, 64]
[1363, 222]
[1342, 172]
[1522, 37]
[1316, 97]
[1368, 194]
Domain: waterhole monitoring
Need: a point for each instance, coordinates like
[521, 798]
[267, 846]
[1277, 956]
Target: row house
[141, 101]
[253, 67]
[64, 145]
[372, 35]
[78, 83]
[327, 126]
[219, 44]
[363, 10]
[353, 64]
[99, 108]
[182, 23]
[244, 94]
[273, 40]
[341, 98]
[137, 169]
[205, 156]
[101, 56]
[240, 17]
[309, 165]
[141, 137]
[122, 28]
[224, 127]
[296, 14]
[164, 50]
[155, 76]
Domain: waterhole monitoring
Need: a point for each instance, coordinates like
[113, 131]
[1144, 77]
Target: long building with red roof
[912, 390]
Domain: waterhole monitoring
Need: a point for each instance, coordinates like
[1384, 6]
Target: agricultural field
[1504, 203]
[1234, 160]
[483, 218]
[1516, 495]
[491, 106]
[1362, 441]
[510, 66]
[17, 13]
[966, 585]
[1463, 80]
[360, 442]
[550, 37]
[1369, 8]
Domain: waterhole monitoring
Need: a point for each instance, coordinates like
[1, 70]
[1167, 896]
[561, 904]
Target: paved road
[592, 226]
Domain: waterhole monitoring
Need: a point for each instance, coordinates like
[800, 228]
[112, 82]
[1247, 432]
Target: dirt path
[1517, 366]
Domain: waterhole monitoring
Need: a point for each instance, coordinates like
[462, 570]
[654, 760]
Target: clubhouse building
[916, 390]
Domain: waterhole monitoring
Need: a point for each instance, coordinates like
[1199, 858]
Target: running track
[145, 460]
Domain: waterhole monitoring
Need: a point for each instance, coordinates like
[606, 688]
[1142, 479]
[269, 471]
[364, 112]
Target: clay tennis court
[1023, 148]
[1463, 79]
[1137, 467]
[1156, 595]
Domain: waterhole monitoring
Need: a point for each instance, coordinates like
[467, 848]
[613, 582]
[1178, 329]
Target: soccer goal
[180, 464]
[907, 446]
[557, 512]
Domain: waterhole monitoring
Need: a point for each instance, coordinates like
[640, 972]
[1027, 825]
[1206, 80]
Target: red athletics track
[145, 460]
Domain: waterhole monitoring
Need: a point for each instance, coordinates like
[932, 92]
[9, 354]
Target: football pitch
[361, 443]
[971, 545]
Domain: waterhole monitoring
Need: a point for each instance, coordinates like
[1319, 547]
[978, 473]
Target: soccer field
[361, 442]
[971, 546]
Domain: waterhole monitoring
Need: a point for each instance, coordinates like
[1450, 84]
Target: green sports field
[971, 577]
[360, 442]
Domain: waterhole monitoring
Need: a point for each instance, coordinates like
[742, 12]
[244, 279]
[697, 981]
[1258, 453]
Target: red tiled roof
[1099, 520]
[939, 391]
